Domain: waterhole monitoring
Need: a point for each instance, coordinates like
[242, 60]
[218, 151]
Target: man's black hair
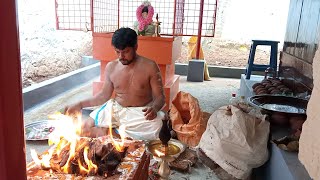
[124, 37]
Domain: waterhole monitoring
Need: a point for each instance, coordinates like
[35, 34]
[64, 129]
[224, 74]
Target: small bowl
[154, 143]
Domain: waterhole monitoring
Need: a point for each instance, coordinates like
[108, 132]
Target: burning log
[133, 159]
[109, 162]
[72, 155]
[85, 157]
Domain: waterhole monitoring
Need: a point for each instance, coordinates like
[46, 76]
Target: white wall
[245, 20]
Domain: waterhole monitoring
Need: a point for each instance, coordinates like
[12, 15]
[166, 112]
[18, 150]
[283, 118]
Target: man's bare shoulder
[111, 65]
[147, 62]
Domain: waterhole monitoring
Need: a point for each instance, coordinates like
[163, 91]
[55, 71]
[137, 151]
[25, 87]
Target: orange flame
[67, 133]
[91, 166]
[44, 162]
[118, 145]
[65, 168]
[159, 153]
[63, 143]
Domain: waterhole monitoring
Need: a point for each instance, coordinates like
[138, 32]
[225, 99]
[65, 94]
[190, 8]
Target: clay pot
[258, 87]
[266, 80]
[276, 81]
[262, 90]
[296, 122]
[282, 86]
[266, 83]
[279, 118]
[297, 133]
[275, 91]
[255, 85]
[287, 91]
[271, 88]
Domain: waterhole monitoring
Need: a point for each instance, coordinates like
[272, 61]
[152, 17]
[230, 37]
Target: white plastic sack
[236, 142]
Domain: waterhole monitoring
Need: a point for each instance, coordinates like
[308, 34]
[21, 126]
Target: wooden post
[12, 143]
[199, 29]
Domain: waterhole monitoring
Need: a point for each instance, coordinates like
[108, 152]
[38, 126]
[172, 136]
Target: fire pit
[95, 158]
[75, 157]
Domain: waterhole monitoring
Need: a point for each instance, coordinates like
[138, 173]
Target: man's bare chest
[133, 81]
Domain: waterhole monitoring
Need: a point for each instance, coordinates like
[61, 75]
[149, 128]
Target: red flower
[143, 22]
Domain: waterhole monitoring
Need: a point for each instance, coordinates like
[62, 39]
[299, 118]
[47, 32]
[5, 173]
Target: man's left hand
[150, 113]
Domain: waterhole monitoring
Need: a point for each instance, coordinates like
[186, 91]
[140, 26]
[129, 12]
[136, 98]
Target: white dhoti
[130, 120]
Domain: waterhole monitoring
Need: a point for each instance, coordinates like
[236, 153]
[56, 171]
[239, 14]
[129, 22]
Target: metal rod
[91, 16]
[56, 13]
[199, 29]
[118, 14]
[174, 18]
[215, 19]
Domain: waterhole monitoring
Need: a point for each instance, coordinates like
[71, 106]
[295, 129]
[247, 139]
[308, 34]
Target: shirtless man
[138, 88]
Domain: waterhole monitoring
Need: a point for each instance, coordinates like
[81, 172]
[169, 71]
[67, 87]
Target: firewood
[74, 168]
[64, 158]
[81, 158]
[113, 159]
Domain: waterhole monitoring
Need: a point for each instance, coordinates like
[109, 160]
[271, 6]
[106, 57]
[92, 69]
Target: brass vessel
[170, 153]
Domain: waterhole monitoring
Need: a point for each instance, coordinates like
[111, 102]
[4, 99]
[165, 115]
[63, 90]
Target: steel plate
[279, 103]
[36, 131]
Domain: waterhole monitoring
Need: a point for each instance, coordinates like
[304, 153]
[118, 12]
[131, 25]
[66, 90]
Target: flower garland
[142, 21]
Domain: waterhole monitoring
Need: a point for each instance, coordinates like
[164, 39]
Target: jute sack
[187, 118]
[237, 142]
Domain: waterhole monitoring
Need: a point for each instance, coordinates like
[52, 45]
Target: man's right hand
[73, 109]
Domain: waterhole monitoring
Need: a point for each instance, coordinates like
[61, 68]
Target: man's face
[127, 55]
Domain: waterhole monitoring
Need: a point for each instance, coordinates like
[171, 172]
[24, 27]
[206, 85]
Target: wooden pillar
[12, 143]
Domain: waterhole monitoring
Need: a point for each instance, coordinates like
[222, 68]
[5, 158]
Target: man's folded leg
[135, 125]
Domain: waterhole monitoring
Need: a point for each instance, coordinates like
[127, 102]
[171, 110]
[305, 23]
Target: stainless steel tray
[39, 130]
[279, 103]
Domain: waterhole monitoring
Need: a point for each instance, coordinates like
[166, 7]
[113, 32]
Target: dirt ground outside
[47, 52]
[222, 52]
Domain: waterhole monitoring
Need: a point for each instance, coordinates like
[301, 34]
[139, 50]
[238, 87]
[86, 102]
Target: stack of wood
[104, 157]
[271, 86]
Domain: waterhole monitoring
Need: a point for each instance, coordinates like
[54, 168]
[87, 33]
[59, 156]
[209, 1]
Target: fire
[70, 148]
[69, 127]
[90, 164]
[159, 153]
[118, 145]
[45, 161]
